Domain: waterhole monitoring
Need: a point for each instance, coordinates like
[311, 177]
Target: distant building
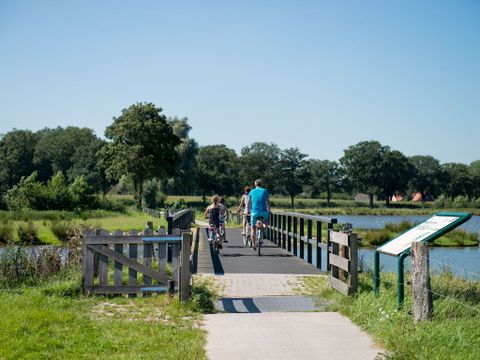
[397, 198]
[417, 197]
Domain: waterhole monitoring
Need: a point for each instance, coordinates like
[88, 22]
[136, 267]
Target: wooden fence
[112, 263]
[344, 262]
[298, 233]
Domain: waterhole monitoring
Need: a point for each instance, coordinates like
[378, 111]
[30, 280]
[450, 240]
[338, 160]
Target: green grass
[111, 221]
[452, 334]
[55, 321]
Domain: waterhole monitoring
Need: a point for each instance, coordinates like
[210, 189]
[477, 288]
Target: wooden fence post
[422, 293]
[185, 269]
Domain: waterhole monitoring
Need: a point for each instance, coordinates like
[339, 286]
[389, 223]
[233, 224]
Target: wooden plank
[421, 291]
[162, 262]
[309, 240]
[353, 271]
[132, 273]
[302, 238]
[89, 271]
[147, 261]
[295, 236]
[175, 263]
[339, 238]
[132, 264]
[125, 289]
[339, 285]
[339, 262]
[103, 270]
[112, 240]
[118, 275]
[310, 217]
[318, 241]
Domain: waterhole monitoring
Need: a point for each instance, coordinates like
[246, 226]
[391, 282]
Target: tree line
[149, 154]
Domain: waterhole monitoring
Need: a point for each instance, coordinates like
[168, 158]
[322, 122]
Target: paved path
[278, 336]
[263, 313]
[235, 258]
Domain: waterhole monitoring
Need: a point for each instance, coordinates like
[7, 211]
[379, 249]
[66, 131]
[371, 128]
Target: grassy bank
[50, 225]
[452, 334]
[55, 321]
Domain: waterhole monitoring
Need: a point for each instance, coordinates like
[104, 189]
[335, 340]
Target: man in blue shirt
[259, 206]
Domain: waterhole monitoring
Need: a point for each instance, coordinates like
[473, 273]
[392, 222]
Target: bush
[46, 262]
[461, 202]
[6, 232]
[202, 299]
[179, 204]
[63, 230]
[15, 268]
[400, 227]
[376, 238]
[28, 233]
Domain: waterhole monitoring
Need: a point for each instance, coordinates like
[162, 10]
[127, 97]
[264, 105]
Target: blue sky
[318, 75]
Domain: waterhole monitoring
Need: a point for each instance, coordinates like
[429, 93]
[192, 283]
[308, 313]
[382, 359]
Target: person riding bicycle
[223, 216]
[259, 206]
[212, 212]
[244, 206]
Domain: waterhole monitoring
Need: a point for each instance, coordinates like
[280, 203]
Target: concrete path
[263, 312]
[276, 336]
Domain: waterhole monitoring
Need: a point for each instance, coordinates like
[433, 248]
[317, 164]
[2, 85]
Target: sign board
[430, 229]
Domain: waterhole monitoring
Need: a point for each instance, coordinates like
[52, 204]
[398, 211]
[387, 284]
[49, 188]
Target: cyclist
[223, 216]
[212, 212]
[244, 206]
[259, 206]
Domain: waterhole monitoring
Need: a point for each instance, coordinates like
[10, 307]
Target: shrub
[15, 268]
[179, 204]
[46, 262]
[82, 194]
[461, 202]
[6, 232]
[63, 230]
[400, 227]
[376, 238]
[202, 299]
[28, 233]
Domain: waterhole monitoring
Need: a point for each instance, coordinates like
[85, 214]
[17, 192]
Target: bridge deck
[235, 258]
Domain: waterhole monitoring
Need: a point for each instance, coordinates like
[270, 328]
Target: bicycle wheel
[259, 241]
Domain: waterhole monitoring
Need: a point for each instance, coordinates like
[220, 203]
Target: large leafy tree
[184, 181]
[260, 161]
[395, 174]
[17, 149]
[326, 176]
[293, 171]
[428, 175]
[143, 146]
[363, 165]
[70, 150]
[217, 167]
[459, 181]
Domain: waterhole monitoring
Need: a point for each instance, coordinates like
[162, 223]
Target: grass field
[111, 221]
[54, 321]
[452, 334]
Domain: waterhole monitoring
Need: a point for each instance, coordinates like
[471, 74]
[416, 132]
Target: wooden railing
[131, 254]
[344, 262]
[182, 220]
[292, 231]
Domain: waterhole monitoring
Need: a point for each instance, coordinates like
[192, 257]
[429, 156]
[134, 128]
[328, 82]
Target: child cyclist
[223, 216]
[212, 212]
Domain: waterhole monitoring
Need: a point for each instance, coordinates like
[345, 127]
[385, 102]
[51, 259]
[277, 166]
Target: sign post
[437, 225]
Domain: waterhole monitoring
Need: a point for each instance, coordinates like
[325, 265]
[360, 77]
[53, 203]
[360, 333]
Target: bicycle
[214, 240]
[259, 234]
[247, 237]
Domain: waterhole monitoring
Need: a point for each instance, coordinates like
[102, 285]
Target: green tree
[29, 193]
[260, 161]
[184, 182]
[474, 170]
[59, 195]
[396, 172]
[81, 193]
[70, 150]
[326, 176]
[142, 146]
[217, 170]
[428, 175]
[17, 149]
[459, 181]
[363, 165]
[293, 172]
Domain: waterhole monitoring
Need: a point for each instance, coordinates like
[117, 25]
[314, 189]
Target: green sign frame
[461, 218]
